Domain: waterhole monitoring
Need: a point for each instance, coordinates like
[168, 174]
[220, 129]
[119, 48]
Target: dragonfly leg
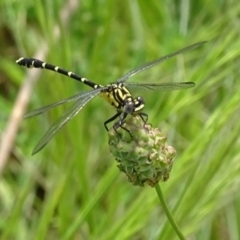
[119, 123]
[144, 118]
[115, 126]
[111, 119]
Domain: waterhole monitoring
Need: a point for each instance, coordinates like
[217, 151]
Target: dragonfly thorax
[120, 97]
[116, 94]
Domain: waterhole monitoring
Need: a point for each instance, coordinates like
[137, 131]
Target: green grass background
[73, 189]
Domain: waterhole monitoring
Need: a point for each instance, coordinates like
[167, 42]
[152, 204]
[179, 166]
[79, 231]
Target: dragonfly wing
[157, 61]
[53, 105]
[66, 117]
[145, 87]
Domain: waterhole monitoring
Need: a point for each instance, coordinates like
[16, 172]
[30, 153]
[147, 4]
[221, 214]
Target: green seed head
[144, 155]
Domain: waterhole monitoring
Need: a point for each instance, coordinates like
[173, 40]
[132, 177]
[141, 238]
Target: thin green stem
[169, 215]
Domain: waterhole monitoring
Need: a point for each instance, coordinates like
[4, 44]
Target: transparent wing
[53, 105]
[144, 87]
[66, 117]
[157, 61]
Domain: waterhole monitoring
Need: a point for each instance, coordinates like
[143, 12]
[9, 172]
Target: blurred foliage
[72, 189]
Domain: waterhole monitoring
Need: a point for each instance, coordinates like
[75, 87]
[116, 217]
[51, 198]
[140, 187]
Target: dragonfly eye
[128, 107]
[140, 100]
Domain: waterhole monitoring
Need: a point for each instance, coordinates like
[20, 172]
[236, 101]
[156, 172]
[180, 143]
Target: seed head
[142, 152]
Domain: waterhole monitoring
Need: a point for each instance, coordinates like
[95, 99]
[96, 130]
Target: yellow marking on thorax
[115, 95]
[108, 96]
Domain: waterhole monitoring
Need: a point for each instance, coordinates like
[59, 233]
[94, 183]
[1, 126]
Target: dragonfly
[118, 94]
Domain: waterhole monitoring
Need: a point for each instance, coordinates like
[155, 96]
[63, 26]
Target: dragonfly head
[133, 105]
[138, 104]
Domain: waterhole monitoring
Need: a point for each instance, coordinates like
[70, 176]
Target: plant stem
[169, 215]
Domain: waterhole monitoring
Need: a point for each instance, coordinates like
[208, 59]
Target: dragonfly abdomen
[35, 63]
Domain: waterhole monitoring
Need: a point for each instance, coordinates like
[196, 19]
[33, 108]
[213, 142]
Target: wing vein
[66, 117]
[157, 61]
